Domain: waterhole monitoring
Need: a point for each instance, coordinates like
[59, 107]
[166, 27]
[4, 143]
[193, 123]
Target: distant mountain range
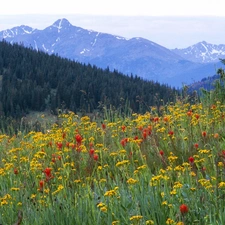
[137, 56]
[202, 52]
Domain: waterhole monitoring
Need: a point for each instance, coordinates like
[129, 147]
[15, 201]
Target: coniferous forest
[32, 80]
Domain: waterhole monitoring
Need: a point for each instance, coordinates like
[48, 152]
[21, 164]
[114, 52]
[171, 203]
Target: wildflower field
[138, 169]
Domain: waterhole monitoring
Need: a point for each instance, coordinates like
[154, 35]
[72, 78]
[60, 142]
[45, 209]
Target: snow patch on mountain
[202, 52]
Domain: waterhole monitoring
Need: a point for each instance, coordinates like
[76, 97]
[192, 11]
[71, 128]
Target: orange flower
[189, 113]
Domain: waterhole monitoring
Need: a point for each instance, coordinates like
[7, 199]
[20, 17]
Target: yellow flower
[173, 192]
[149, 222]
[177, 185]
[33, 196]
[113, 154]
[103, 209]
[102, 180]
[142, 167]
[124, 162]
[169, 221]
[172, 158]
[204, 151]
[179, 168]
[60, 187]
[110, 193]
[136, 217]
[115, 222]
[179, 223]
[221, 185]
[132, 181]
[3, 202]
[193, 174]
[100, 204]
[123, 151]
[77, 181]
[14, 189]
[193, 189]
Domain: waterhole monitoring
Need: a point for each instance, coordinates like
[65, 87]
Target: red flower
[170, 133]
[204, 133]
[191, 159]
[67, 144]
[15, 171]
[213, 106]
[144, 134]
[50, 143]
[48, 174]
[103, 126]
[41, 184]
[91, 152]
[183, 209]
[123, 142]
[203, 169]
[59, 145]
[161, 152]
[197, 116]
[78, 138]
[123, 127]
[95, 157]
[53, 160]
[64, 135]
[196, 145]
[91, 144]
[156, 119]
[223, 153]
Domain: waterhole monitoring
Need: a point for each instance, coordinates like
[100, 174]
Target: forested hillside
[34, 80]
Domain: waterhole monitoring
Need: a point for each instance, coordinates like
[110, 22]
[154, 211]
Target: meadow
[162, 167]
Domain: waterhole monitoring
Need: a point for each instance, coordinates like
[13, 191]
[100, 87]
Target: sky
[170, 23]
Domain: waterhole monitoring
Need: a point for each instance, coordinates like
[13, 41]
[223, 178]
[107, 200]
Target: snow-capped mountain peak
[202, 52]
[15, 31]
[61, 24]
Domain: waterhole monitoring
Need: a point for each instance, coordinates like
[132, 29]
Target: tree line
[34, 80]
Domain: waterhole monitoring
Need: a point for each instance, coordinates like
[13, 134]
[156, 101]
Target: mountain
[202, 52]
[208, 83]
[137, 56]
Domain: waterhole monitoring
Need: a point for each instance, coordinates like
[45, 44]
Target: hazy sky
[116, 7]
[171, 23]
